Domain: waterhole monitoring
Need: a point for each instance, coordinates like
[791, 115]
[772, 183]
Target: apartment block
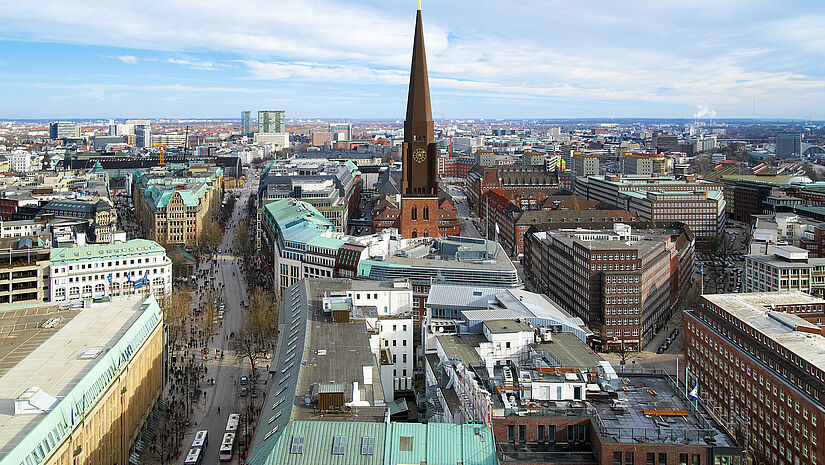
[789, 268]
[173, 205]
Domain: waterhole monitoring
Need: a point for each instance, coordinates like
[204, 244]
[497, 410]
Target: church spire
[418, 97]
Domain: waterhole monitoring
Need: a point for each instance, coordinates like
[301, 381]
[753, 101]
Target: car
[244, 380]
[244, 391]
[661, 350]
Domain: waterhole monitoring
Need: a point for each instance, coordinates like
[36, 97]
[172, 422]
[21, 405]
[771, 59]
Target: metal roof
[318, 437]
[439, 443]
[124, 325]
[469, 297]
[132, 248]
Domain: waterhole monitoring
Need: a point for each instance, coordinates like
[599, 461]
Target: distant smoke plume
[704, 112]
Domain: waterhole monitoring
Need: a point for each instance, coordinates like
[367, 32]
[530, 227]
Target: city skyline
[351, 60]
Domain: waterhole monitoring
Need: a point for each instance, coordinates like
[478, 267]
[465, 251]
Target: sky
[351, 59]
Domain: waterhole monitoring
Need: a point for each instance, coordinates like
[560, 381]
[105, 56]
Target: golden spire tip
[419, 5]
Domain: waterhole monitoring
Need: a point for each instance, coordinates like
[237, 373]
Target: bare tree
[259, 328]
[210, 235]
[176, 308]
[242, 242]
[209, 316]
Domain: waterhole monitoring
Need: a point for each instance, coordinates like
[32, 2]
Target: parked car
[244, 380]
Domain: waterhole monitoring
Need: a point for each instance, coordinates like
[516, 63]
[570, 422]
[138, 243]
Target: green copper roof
[365, 266]
[133, 248]
[327, 242]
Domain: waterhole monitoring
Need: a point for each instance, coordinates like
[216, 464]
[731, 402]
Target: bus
[194, 456]
[201, 438]
[232, 423]
[228, 443]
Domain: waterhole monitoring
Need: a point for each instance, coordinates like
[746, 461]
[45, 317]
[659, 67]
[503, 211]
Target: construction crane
[162, 153]
[185, 143]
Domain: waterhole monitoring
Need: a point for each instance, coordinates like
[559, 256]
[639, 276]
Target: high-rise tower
[419, 187]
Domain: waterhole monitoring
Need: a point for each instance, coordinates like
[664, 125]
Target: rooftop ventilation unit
[34, 401]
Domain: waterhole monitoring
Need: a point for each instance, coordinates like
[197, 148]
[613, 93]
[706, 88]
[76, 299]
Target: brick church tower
[419, 187]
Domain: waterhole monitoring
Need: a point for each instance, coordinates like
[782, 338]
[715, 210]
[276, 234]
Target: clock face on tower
[419, 155]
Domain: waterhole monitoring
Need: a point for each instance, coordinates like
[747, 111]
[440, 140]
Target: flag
[694, 394]
[701, 269]
[109, 277]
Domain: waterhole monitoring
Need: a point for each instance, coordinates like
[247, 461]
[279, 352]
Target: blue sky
[340, 59]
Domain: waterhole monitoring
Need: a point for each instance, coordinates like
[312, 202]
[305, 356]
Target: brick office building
[623, 283]
[761, 368]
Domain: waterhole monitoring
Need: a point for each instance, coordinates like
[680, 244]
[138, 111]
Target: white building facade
[138, 266]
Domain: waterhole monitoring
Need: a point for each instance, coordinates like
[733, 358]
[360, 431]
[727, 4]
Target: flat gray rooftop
[463, 347]
[50, 358]
[346, 351]
[569, 351]
[753, 309]
[642, 393]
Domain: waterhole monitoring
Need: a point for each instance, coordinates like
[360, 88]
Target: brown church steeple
[418, 96]
[419, 186]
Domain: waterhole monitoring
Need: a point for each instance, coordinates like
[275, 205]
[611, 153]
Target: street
[226, 371]
[465, 222]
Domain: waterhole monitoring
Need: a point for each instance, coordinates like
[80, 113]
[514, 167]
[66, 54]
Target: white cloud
[128, 59]
[701, 51]
[195, 64]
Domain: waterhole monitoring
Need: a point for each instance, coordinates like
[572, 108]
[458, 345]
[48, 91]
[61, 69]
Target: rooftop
[69, 353]
[569, 351]
[313, 351]
[756, 310]
[132, 248]
[506, 326]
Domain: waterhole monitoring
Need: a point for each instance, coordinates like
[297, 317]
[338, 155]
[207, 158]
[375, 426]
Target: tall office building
[419, 187]
[759, 366]
[64, 130]
[271, 121]
[788, 143]
[341, 131]
[142, 129]
[246, 128]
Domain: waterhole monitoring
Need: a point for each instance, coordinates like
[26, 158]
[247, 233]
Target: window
[540, 434]
[367, 445]
[405, 443]
[297, 445]
[651, 458]
[696, 459]
[522, 433]
[426, 213]
[414, 214]
[571, 433]
[511, 434]
[617, 458]
[338, 444]
[628, 458]
[551, 434]
[683, 459]
[662, 458]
